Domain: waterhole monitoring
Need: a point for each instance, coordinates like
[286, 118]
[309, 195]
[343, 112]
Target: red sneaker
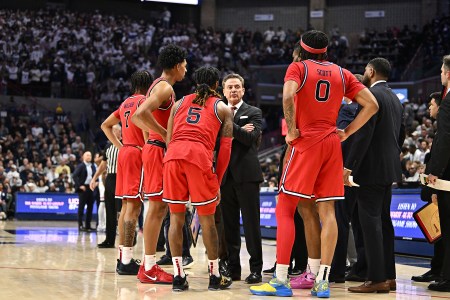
[141, 270]
[155, 275]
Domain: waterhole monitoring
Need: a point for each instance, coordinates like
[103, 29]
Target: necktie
[234, 108]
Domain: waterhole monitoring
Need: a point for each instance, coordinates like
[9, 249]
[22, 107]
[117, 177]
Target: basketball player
[194, 125]
[152, 116]
[129, 169]
[312, 95]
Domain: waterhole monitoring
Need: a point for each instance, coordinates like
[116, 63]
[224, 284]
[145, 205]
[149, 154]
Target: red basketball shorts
[183, 180]
[315, 173]
[152, 160]
[129, 173]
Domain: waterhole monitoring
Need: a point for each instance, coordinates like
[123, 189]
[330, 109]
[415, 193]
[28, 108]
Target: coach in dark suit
[374, 160]
[346, 212]
[240, 186]
[82, 177]
[439, 168]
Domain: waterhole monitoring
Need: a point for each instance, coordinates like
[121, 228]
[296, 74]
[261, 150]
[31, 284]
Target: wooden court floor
[51, 260]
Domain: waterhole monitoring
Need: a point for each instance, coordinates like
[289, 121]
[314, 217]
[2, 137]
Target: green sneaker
[321, 289]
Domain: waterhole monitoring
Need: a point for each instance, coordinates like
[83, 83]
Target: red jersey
[195, 130]
[321, 88]
[131, 134]
[162, 114]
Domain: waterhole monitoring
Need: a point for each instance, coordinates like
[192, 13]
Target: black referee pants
[110, 207]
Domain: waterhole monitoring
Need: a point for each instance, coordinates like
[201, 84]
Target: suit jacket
[439, 164]
[80, 174]
[374, 156]
[244, 164]
[346, 115]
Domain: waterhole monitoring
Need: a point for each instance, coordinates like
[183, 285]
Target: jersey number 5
[126, 114]
[193, 115]
[322, 90]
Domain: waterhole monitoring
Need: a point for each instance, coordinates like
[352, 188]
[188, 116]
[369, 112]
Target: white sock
[127, 255]
[282, 272]
[324, 272]
[149, 261]
[213, 266]
[119, 252]
[314, 265]
[178, 266]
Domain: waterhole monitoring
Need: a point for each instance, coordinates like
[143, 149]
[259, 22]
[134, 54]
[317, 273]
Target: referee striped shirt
[110, 156]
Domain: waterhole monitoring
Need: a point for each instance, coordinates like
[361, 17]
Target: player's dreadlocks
[140, 81]
[206, 79]
[314, 39]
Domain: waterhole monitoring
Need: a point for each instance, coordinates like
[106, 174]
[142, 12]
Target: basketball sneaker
[273, 288]
[129, 269]
[180, 284]
[218, 283]
[321, 289]
[155, 275]
[304, 281]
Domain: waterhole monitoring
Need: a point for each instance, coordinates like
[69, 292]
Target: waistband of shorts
[157, 143]
[135, 146]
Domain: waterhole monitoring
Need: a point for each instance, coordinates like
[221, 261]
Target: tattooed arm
[289, 90]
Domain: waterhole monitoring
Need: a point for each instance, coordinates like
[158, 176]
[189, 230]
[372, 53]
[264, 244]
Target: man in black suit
[82, 177]
[429, 195]
[439, 168]
[240, 186]
[374, 159]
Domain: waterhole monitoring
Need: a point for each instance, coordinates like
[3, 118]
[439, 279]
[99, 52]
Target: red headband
[312, 50]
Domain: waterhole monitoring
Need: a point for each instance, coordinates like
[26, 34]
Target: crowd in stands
[38, 153]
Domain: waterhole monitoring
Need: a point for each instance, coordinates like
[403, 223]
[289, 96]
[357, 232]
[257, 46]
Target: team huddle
[167, 156]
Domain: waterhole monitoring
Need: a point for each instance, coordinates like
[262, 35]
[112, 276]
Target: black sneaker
[271, 270]
[188, 262]
[117, 265]
[130, 269]
[218, 283]
[164, 261]
[294, 272]
[180, 284]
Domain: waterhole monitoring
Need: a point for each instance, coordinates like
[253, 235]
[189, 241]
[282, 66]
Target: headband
[312, 50]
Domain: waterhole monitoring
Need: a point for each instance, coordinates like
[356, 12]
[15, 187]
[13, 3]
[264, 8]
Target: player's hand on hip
[347, 177]
[342, 135]
[291, 136]
[248, 127]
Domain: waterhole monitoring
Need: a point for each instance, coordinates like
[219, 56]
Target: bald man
[82, 177]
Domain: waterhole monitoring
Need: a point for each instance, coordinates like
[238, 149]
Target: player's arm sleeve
[360, 144]
[245, 137]
[295, 72]
[440, 150]
[352, 85]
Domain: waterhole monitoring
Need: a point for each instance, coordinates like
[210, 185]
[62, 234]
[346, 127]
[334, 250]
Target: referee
[109, 164]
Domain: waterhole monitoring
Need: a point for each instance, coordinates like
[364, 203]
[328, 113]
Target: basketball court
[51, 260]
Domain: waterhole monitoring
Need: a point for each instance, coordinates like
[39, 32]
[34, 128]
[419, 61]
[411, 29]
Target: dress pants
[242, 197]
[374, 206]
[110, 207]
[444, 217]
[346, 213]
[86, 199]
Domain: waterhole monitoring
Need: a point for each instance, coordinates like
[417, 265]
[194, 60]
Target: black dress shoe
[426, 277]
[336, 278]
[105, 244]
[235, 277]
[253, 278]
[271, 270]
[82, 229]
[440, 286]
[354, 277]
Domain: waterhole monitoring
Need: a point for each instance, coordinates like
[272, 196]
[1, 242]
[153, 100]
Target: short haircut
[381, 66]
[437, 96]
[231, 76]
[446, 61]
[170, 56]
[315, 39]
